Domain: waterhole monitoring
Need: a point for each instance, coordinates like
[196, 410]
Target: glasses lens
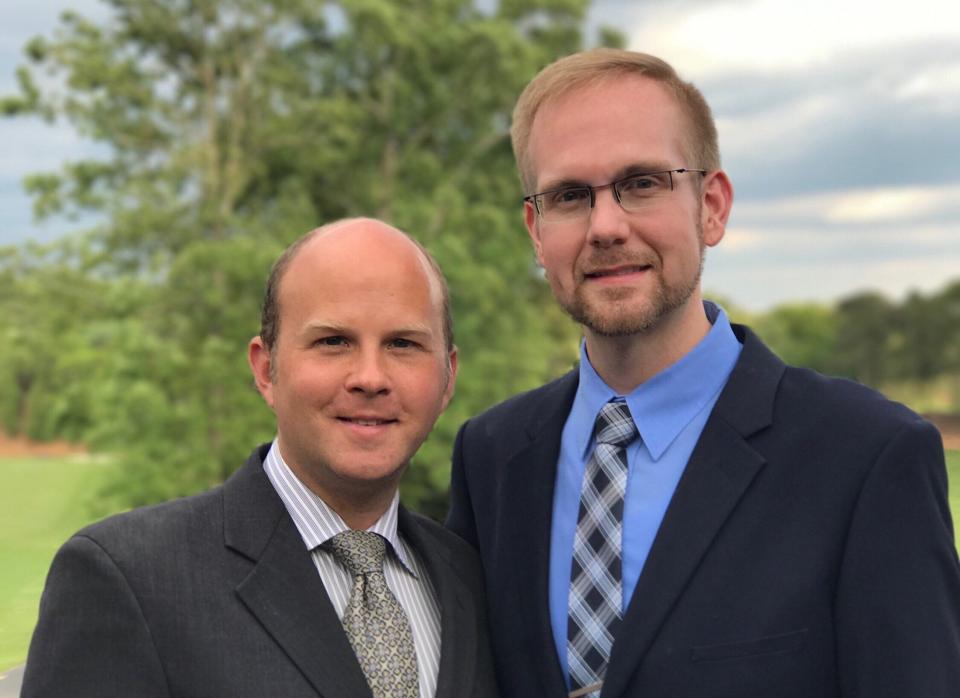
[640, 190]
[565, 204]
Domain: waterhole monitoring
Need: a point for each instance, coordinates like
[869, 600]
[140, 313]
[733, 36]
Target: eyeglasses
[633, 193]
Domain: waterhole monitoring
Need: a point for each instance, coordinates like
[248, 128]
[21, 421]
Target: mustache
[603, 259]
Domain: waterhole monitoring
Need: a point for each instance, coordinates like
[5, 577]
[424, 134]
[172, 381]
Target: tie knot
[615, 424]
[361, 552]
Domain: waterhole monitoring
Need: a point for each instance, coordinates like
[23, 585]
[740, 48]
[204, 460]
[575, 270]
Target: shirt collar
[315, 519]
[663, 405]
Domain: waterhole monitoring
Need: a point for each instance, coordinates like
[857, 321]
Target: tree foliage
[228, 128]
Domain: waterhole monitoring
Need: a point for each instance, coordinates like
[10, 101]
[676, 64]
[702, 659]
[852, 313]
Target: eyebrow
[402, 331]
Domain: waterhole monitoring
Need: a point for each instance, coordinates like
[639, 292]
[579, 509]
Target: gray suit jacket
[216, 595]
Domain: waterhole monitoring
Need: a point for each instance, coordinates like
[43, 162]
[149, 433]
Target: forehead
[358, 275]
[596, 131]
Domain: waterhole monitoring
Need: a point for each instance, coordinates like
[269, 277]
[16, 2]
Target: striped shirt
[404, 570]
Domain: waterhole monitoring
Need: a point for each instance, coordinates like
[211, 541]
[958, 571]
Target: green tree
[802, 334]
[865, 338]
[230, 127]
[920, 336]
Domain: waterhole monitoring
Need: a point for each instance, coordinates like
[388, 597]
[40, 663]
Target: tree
[802, 334]
[233, 126]
[865, 324]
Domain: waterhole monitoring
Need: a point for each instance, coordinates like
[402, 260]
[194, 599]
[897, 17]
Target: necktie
[595, 588]
[374, 620]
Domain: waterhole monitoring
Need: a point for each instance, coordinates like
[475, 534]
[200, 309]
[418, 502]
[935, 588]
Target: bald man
[254, 588]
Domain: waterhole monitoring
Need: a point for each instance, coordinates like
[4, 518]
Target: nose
[608, 223]
[368, 374]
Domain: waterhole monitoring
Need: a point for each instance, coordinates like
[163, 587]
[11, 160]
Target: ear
[531, 219]
[451, 379]
[717, 199]
[258, 356]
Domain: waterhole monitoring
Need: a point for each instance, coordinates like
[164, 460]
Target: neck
[359, 503]
[360, 516]
[625, 362]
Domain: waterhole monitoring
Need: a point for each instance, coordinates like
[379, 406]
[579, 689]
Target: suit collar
[316, 520]
[283, 590]
[530, 478]
[720, 470]
[458, 612]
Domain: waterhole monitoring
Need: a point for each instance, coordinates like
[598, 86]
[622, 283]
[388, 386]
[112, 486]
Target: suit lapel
[718, 474]
[458, 614]
[283, 590]
[529, 481]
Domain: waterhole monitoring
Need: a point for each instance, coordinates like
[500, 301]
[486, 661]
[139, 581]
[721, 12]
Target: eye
[331, 341]
[403, 343]
[641, 185]
[569, 198]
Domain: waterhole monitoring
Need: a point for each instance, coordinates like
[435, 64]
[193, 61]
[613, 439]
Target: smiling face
[623, 273]
[360, 370]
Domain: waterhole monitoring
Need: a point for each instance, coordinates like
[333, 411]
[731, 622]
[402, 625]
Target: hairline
[605, 66]
[271, 312]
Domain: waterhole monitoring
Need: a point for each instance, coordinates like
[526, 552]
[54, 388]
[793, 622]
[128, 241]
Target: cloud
[706, 38]
[875, 206]
[759, 287]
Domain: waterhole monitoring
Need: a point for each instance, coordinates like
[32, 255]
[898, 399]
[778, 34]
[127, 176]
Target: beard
[620, 312]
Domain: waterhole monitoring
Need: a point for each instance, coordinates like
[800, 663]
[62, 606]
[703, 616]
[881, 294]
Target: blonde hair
[580, 69]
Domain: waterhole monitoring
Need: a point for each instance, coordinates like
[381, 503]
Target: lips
[622, 270]
[367, 421]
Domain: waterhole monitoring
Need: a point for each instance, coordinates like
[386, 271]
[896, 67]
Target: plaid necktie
[374, 620]
[595, 590]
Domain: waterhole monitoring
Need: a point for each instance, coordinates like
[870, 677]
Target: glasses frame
[614, 186]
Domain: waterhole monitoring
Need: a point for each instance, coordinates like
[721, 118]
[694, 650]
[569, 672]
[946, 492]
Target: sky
[839, 126]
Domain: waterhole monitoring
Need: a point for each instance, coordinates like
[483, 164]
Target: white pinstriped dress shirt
[404, 570]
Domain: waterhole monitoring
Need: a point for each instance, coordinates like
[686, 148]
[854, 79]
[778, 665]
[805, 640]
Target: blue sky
[839, 126]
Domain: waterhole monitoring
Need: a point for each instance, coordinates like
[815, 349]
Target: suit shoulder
[844, 398]
[853, 418]
[143, 528]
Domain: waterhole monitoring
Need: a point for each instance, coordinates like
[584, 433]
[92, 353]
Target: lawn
[42, 501]
[953, 472]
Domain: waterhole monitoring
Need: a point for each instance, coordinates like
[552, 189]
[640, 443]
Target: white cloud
[785, 129]
[938, 87]
[869, 205]
[758, 285]
[771, 35]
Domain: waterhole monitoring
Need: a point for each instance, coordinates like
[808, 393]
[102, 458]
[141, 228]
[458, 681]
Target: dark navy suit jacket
[808, 551]
[216, 596]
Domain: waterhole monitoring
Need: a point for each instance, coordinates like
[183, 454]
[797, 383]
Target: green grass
[42, 501]
[953, 473]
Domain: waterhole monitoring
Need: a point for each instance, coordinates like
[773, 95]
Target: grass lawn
[953, 473]
[42, 501]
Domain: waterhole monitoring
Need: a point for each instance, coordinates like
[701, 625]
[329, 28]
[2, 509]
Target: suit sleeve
[461, 519]
[91, 638]
[898, 598]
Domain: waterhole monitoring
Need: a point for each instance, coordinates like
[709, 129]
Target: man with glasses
[683, 514]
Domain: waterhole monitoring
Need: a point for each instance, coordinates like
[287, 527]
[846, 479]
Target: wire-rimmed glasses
[633, 192]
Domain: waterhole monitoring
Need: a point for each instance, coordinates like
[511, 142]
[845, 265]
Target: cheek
[309, 384]
[559, 258]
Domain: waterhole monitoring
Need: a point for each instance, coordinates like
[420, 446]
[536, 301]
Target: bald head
[351, 242]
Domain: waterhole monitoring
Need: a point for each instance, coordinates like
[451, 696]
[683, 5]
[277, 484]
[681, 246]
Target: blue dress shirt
[670, 410]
